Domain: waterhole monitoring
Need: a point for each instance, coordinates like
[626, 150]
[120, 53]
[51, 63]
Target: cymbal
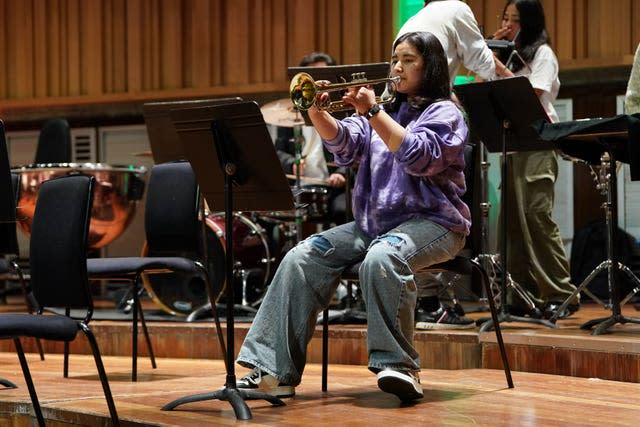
[282, 113]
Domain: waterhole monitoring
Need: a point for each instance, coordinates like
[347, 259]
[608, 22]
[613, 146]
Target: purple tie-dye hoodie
[423, 179]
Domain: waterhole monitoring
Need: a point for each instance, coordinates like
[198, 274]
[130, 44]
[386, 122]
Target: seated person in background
[315, 157]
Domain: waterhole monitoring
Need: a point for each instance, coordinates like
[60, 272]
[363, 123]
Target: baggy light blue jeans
[308, 276]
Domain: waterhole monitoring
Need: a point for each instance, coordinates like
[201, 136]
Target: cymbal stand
[607, 184]
[505, 280]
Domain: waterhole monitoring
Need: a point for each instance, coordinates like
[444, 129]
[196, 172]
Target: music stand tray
[501, 114]
[164, 141]
[237, 167]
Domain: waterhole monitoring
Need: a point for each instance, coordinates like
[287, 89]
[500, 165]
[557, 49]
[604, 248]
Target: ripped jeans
[308, 277]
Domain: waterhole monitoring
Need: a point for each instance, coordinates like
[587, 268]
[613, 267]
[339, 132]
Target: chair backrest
[171, 213]
[58, 246]
[54, 142]
[8, 197]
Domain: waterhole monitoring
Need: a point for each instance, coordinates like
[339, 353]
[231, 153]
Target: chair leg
[7, 383]
[102, 373]
[494, 315]
[325, 348]
[134, 334]
[65, 363]
[29, 299]
[145, 331]
[27, 377]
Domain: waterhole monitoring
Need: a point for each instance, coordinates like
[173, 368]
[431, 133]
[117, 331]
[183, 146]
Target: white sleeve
[544, 69]
[472, 48]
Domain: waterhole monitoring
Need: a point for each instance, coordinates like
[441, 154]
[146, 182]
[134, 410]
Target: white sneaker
[404, 384]
[261, 381]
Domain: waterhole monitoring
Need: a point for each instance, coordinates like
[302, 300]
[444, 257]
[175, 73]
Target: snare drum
[179, 294]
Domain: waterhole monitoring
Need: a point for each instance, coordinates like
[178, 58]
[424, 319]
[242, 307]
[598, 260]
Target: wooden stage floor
[562, 376]
[452, 398]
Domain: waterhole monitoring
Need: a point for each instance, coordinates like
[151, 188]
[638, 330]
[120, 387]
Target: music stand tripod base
[235, 396]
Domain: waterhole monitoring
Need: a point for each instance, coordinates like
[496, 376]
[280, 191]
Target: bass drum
[180, 294]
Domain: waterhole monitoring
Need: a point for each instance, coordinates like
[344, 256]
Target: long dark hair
[436, 84]
[533, 30]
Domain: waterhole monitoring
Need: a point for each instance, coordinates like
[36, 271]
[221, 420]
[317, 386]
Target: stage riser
[347, 345]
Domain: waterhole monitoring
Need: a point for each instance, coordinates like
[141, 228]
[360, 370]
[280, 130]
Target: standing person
[535, 253]
[408, 214]
[315, 157]
[453, 23]
[632, 97]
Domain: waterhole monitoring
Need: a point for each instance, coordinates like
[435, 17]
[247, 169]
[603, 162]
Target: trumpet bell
[303, 91]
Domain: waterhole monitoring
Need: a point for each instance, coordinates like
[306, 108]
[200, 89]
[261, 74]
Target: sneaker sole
[280, 391]
[426, 326]
[403, 389]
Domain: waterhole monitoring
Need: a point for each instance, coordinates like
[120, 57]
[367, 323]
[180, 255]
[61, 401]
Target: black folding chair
[58, 253]
[174, 242]
[9, 248]
[54, 142]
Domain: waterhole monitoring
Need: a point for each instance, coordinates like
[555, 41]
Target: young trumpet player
[408, 214]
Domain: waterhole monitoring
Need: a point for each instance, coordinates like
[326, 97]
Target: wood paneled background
[63, 53]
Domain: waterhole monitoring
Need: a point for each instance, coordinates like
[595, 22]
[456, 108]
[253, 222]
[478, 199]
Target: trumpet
[304, 91]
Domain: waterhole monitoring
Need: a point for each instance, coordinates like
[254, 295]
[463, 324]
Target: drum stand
[607, 184]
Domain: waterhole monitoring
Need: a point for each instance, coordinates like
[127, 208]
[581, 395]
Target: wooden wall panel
[136, 49]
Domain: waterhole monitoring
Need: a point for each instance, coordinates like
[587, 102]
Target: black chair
[9, 248]
[459, 265]
[54, 142]
[174, 242]
[58, 253]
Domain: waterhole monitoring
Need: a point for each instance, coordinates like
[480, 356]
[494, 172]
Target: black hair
[436, 84]
[317, 57]
[533, 31]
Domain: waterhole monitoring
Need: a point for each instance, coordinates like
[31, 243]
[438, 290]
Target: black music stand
[233, 137]
[590, 140]
[501, 113]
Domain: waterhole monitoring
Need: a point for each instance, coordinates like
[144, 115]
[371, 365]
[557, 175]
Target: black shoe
[552, 307]
[442, 318]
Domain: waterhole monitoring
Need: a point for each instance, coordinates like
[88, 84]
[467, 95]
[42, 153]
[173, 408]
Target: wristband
[372, 111]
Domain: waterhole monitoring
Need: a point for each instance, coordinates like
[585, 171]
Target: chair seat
[129, 266]
[49, 327]
[458, 265]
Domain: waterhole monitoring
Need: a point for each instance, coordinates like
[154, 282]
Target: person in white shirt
[453, 23]
[536, 258]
